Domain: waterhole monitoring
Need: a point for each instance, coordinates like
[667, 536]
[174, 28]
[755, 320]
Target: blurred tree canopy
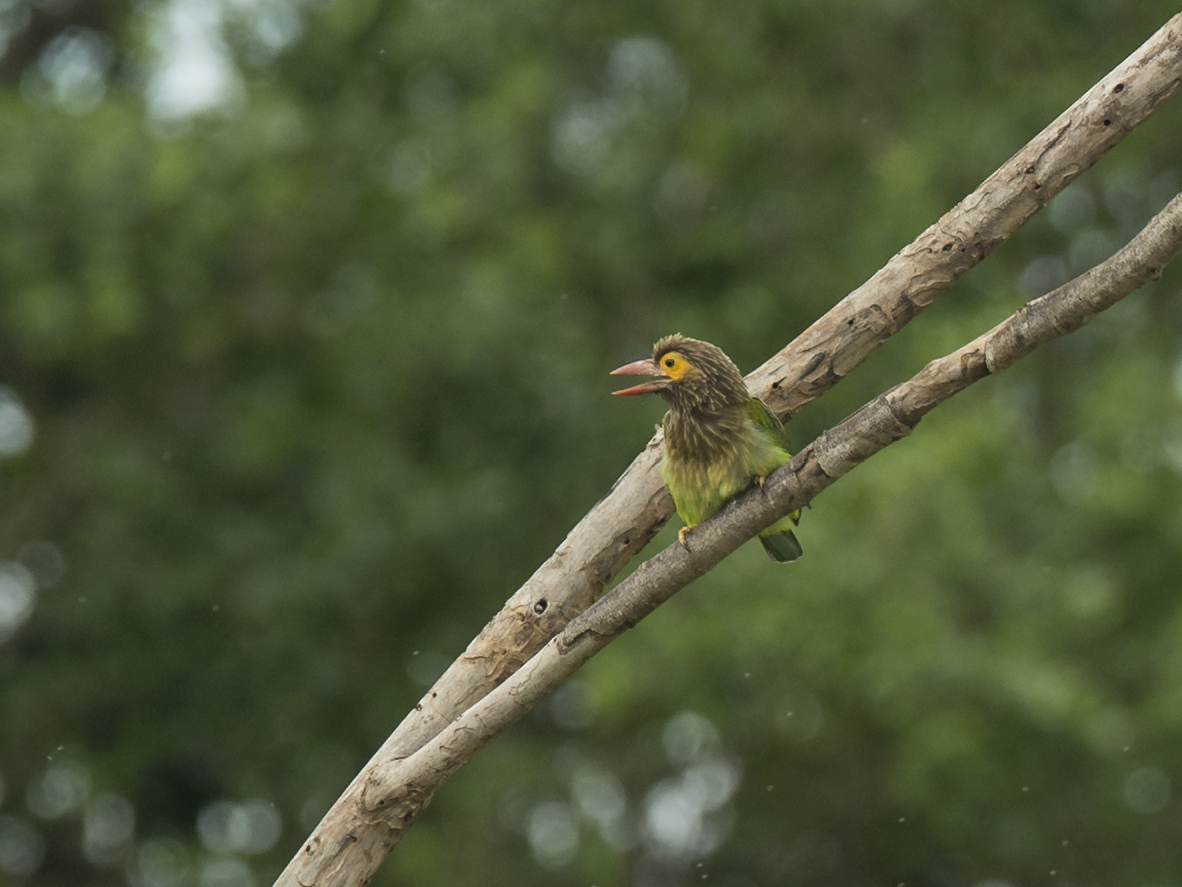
[305, 314]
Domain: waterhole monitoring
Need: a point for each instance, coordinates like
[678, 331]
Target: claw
[681, 534]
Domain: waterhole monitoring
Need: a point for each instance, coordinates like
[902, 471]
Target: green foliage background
[318, 377]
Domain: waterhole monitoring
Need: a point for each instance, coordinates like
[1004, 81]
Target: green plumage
[718, 438]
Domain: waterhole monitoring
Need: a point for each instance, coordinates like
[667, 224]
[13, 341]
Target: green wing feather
[778, 540]
[766, 419]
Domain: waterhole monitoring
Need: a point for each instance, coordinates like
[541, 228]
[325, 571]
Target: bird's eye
[670, 362]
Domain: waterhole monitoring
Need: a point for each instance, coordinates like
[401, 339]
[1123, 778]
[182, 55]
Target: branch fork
[554, 623]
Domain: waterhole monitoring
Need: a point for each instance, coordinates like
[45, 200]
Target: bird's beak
[642, 368]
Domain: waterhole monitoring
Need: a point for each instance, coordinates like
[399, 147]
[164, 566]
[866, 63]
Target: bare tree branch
[404, 785]
[358, 832]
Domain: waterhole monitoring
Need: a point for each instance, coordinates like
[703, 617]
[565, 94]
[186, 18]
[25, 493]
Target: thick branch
[353, 838]
[1057, 313]
[886, 419]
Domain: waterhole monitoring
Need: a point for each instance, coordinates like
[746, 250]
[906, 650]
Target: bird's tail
[782, 547]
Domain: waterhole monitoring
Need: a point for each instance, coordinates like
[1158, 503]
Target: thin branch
[403, 785]
[354, 836]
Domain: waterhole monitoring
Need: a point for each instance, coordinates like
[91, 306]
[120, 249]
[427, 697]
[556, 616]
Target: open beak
[642, 368]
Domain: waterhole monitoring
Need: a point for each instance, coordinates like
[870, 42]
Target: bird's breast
[704, 439]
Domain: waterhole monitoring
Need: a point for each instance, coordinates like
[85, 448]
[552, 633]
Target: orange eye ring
[675, 365]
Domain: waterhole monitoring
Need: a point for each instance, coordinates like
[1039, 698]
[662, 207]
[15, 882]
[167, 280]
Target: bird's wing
[766, 419]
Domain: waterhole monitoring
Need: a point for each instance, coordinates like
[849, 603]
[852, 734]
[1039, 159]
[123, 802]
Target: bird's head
[692, 375]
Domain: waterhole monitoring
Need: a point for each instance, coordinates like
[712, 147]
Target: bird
[718, 437]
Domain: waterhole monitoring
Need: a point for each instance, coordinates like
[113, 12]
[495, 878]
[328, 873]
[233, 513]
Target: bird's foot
[681, 534]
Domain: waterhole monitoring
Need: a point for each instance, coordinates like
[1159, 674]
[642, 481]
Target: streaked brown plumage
[718, 438]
